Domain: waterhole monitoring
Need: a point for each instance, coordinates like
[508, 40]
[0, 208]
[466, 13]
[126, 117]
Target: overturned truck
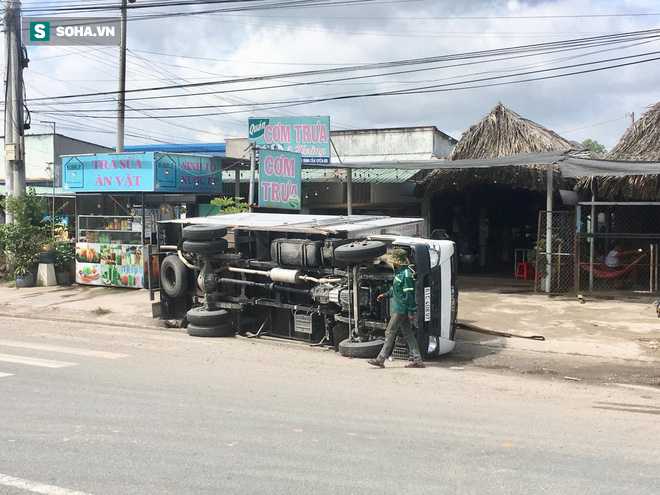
[309, 278]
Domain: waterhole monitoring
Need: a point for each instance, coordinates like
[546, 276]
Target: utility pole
[15, 63]
[121, 97]
[632, 117]
[51, 166]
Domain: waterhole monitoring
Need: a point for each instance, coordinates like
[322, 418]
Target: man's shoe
[375, 362]
[416, 364]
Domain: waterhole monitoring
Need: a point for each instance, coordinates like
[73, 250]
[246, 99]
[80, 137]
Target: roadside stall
[119, 200]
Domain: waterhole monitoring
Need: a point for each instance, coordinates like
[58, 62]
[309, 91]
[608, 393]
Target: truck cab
[308, 278]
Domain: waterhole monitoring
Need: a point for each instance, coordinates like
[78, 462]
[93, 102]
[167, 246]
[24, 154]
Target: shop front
[119, 200]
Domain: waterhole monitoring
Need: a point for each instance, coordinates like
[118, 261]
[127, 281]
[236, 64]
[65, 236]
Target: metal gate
[618, 247]
[554, 261]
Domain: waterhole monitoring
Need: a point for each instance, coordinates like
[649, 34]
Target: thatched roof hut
[500, 133]
[641, 142]
[619, 188]
[504, 133]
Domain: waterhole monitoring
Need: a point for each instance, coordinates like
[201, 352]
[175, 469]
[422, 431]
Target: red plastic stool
[524, 270]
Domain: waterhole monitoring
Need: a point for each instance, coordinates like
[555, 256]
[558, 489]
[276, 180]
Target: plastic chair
[524, 270]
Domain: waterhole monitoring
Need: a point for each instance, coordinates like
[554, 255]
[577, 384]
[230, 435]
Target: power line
[540, 48]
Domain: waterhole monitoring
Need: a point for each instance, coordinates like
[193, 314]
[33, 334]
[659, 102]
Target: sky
[226, 46]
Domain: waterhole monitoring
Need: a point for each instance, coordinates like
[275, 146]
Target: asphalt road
[90, 409]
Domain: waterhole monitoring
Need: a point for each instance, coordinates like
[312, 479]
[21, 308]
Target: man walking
[402, 309]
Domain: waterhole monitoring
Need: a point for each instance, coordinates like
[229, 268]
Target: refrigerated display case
[110, 251]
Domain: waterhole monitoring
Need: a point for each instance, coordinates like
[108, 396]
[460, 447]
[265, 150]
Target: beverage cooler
[109, 251]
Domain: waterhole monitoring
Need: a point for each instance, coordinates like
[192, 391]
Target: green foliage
[23, 240]
[64, 253]
[101, 311]
[230, 205]
[540, 251]
[594, 146]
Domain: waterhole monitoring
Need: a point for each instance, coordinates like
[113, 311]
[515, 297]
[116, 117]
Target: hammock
[612, 273]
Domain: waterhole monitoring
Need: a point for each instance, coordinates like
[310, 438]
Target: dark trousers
[396, 321]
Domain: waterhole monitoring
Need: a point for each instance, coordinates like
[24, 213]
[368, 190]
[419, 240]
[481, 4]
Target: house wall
[420, 143]
[407, 143]
[41, 149]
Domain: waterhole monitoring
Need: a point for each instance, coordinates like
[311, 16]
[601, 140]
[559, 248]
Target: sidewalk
[600, 328]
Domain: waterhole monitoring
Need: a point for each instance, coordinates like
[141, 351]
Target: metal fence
[554, 262]
[617, 247]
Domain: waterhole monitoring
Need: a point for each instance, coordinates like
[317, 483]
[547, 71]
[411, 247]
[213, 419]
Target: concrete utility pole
[121, 97]
[15, 63]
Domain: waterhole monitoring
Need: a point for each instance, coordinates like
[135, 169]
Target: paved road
[109, 410]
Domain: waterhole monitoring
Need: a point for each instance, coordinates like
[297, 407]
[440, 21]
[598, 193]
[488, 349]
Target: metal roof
[366, 175]
[208, 148]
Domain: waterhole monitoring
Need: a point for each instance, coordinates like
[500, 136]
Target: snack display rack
[109, 251]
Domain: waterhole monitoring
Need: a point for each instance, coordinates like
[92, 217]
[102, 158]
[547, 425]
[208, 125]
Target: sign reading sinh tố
[279, 180]
[307, 136]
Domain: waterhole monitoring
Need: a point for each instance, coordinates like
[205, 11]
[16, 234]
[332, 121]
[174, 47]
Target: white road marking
[44, 363]
[36, 487]
[64, 350]
[2, 375]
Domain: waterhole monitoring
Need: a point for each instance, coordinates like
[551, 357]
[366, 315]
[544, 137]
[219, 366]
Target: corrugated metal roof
[212, 148]
[365, 175]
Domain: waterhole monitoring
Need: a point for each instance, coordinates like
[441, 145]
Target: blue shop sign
[142, 172]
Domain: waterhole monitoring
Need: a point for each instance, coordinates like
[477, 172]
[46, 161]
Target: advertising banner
[279, 180]
[142, 172]
[307, 136]
[188, 173]
[121, 172]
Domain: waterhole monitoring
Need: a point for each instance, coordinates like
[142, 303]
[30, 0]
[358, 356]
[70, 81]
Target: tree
[230, 205]
[594, 146]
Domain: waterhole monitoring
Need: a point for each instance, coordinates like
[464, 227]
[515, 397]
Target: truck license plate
[427, 304]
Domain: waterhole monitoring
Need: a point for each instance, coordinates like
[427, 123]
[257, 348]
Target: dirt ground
[603, 340]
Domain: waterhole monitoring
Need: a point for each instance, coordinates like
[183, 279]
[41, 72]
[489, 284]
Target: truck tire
[360, 251]
[222, 330]
[173, 276]
[200, 316]
[360, 349]
[205, 247]
[204, 232]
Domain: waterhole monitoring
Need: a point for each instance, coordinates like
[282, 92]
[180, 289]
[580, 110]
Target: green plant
[230, 205]
[101, 311]
[64, 254]
[23, 239]
[542, 264]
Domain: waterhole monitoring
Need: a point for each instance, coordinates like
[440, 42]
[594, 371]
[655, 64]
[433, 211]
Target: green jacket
[402, 292]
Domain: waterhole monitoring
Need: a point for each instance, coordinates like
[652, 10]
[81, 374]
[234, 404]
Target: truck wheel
[360, 251]
[173, 276]
[204, 232]
[360, 349]
[200, 316]
[222, 330]
[205, 247]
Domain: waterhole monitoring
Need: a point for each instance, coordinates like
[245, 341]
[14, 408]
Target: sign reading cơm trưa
[279, 179]
[307, 136]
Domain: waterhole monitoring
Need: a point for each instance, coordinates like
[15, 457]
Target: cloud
[275, 42]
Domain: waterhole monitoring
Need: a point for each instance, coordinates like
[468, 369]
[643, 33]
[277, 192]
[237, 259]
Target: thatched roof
[641, 142]
[502, 133]
[622, 187]
[528, 177]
